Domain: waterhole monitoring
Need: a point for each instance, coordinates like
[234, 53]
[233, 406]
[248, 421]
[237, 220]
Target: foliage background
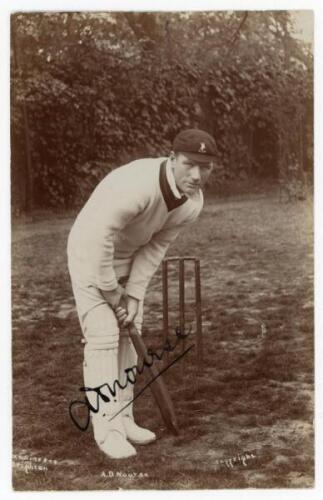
[91, 91]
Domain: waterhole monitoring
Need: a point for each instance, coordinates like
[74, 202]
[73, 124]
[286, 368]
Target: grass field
[252, 402]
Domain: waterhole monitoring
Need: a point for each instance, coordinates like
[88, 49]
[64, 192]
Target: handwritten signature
[131, 378]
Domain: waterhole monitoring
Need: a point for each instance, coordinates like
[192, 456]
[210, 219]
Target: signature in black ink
[131, 374]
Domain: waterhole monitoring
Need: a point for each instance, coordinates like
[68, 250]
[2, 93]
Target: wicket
[198, 304]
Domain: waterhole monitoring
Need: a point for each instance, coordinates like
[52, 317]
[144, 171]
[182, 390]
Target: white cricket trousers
[108, 350]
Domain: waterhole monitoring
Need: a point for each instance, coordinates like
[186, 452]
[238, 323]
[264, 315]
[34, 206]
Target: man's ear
[172, 156]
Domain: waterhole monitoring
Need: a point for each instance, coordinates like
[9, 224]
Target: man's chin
[191, 190]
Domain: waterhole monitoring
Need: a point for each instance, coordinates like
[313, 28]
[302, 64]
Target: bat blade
[158, 387]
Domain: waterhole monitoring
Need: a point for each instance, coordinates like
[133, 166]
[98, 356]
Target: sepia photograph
[162, 249]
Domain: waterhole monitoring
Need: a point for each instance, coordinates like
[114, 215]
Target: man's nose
[196, 173]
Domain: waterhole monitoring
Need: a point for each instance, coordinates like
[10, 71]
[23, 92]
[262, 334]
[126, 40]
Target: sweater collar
[171, 180]
[171, 195]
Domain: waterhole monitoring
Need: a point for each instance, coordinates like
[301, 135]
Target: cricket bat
[158, 387]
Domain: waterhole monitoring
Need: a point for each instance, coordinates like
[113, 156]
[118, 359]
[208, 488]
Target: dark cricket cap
[197, 144]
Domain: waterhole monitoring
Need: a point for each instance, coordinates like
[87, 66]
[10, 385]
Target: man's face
[190, 175]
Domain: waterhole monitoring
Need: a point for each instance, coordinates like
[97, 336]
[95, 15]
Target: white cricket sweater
[132, 216]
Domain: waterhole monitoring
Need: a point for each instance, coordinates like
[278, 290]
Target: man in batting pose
[114, 248]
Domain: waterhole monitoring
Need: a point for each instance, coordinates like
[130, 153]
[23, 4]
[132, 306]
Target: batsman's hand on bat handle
[127, 310]
[124, 306]
[113, 297]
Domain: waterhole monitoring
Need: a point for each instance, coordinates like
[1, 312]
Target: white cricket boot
[101, 367]
[128, 360]
[136, 434]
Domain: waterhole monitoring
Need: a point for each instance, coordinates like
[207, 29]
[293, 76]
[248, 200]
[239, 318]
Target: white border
[5, 338]
[132, 5]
